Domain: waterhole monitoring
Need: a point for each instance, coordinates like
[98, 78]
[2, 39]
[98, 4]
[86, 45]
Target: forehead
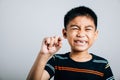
[82, 21]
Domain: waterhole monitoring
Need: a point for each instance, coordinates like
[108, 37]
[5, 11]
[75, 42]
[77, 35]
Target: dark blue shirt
[62, 67]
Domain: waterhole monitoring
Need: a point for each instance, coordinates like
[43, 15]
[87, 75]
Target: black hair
[79, 11]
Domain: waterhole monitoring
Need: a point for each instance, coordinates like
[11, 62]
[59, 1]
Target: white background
[24, 23]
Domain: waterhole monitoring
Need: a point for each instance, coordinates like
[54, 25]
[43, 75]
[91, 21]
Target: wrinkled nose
[80, 34]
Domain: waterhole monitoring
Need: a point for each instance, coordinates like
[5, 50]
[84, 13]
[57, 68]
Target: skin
[50, 46]
[80, 33]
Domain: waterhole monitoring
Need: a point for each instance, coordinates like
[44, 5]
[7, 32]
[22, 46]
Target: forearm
[38, 67]
[50, 46]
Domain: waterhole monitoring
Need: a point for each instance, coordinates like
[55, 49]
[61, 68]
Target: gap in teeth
[81, 41]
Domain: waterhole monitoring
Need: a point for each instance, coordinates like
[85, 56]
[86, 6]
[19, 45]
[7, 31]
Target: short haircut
[80, 11]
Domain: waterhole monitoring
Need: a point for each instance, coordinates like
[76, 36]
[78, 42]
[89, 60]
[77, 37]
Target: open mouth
[80, 42]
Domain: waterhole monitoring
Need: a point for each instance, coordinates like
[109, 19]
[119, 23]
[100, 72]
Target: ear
[64, 32]
[96, 34]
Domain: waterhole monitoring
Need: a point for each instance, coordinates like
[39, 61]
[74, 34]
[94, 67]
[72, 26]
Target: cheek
[91, 37]
[71, 35]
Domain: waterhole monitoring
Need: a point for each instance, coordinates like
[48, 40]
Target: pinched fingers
[58, 40]
[51, 42]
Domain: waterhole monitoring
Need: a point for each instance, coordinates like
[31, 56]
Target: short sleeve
[50, 67]
[108, 75]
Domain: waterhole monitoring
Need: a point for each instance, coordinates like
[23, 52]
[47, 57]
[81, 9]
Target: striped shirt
[62, 67]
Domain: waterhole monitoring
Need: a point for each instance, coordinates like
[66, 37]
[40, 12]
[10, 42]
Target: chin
[79, 50]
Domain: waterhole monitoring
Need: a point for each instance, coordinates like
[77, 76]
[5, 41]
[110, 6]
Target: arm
[50, 46]
[108, 75]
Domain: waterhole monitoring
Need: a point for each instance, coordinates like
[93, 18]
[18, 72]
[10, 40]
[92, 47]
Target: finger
[59, 41]
[59, 38]
[47, 41]
[52, 42]
[56, 40]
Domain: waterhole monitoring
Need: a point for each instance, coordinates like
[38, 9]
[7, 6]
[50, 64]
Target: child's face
[80, 33]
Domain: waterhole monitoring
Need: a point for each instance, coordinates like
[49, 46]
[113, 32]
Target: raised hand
[51, 45]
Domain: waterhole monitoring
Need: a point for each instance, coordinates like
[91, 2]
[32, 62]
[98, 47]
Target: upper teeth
[78, 41]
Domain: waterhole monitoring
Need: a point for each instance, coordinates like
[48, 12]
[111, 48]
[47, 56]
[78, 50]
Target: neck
[80, 56]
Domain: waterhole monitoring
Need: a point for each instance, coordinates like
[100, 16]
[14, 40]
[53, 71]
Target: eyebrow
[89, 26]
[74, 25]
[80, 26]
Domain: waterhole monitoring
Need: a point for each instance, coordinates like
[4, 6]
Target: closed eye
[74, 27]
[89, 28]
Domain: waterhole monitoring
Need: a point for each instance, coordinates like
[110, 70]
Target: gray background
[24, 23]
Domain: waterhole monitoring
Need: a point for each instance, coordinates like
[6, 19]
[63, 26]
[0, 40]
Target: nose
[81, 33]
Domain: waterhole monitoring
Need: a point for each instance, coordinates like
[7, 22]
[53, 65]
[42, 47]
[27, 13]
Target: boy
[81, 31]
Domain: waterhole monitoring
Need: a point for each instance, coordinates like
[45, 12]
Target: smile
[80, 42]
